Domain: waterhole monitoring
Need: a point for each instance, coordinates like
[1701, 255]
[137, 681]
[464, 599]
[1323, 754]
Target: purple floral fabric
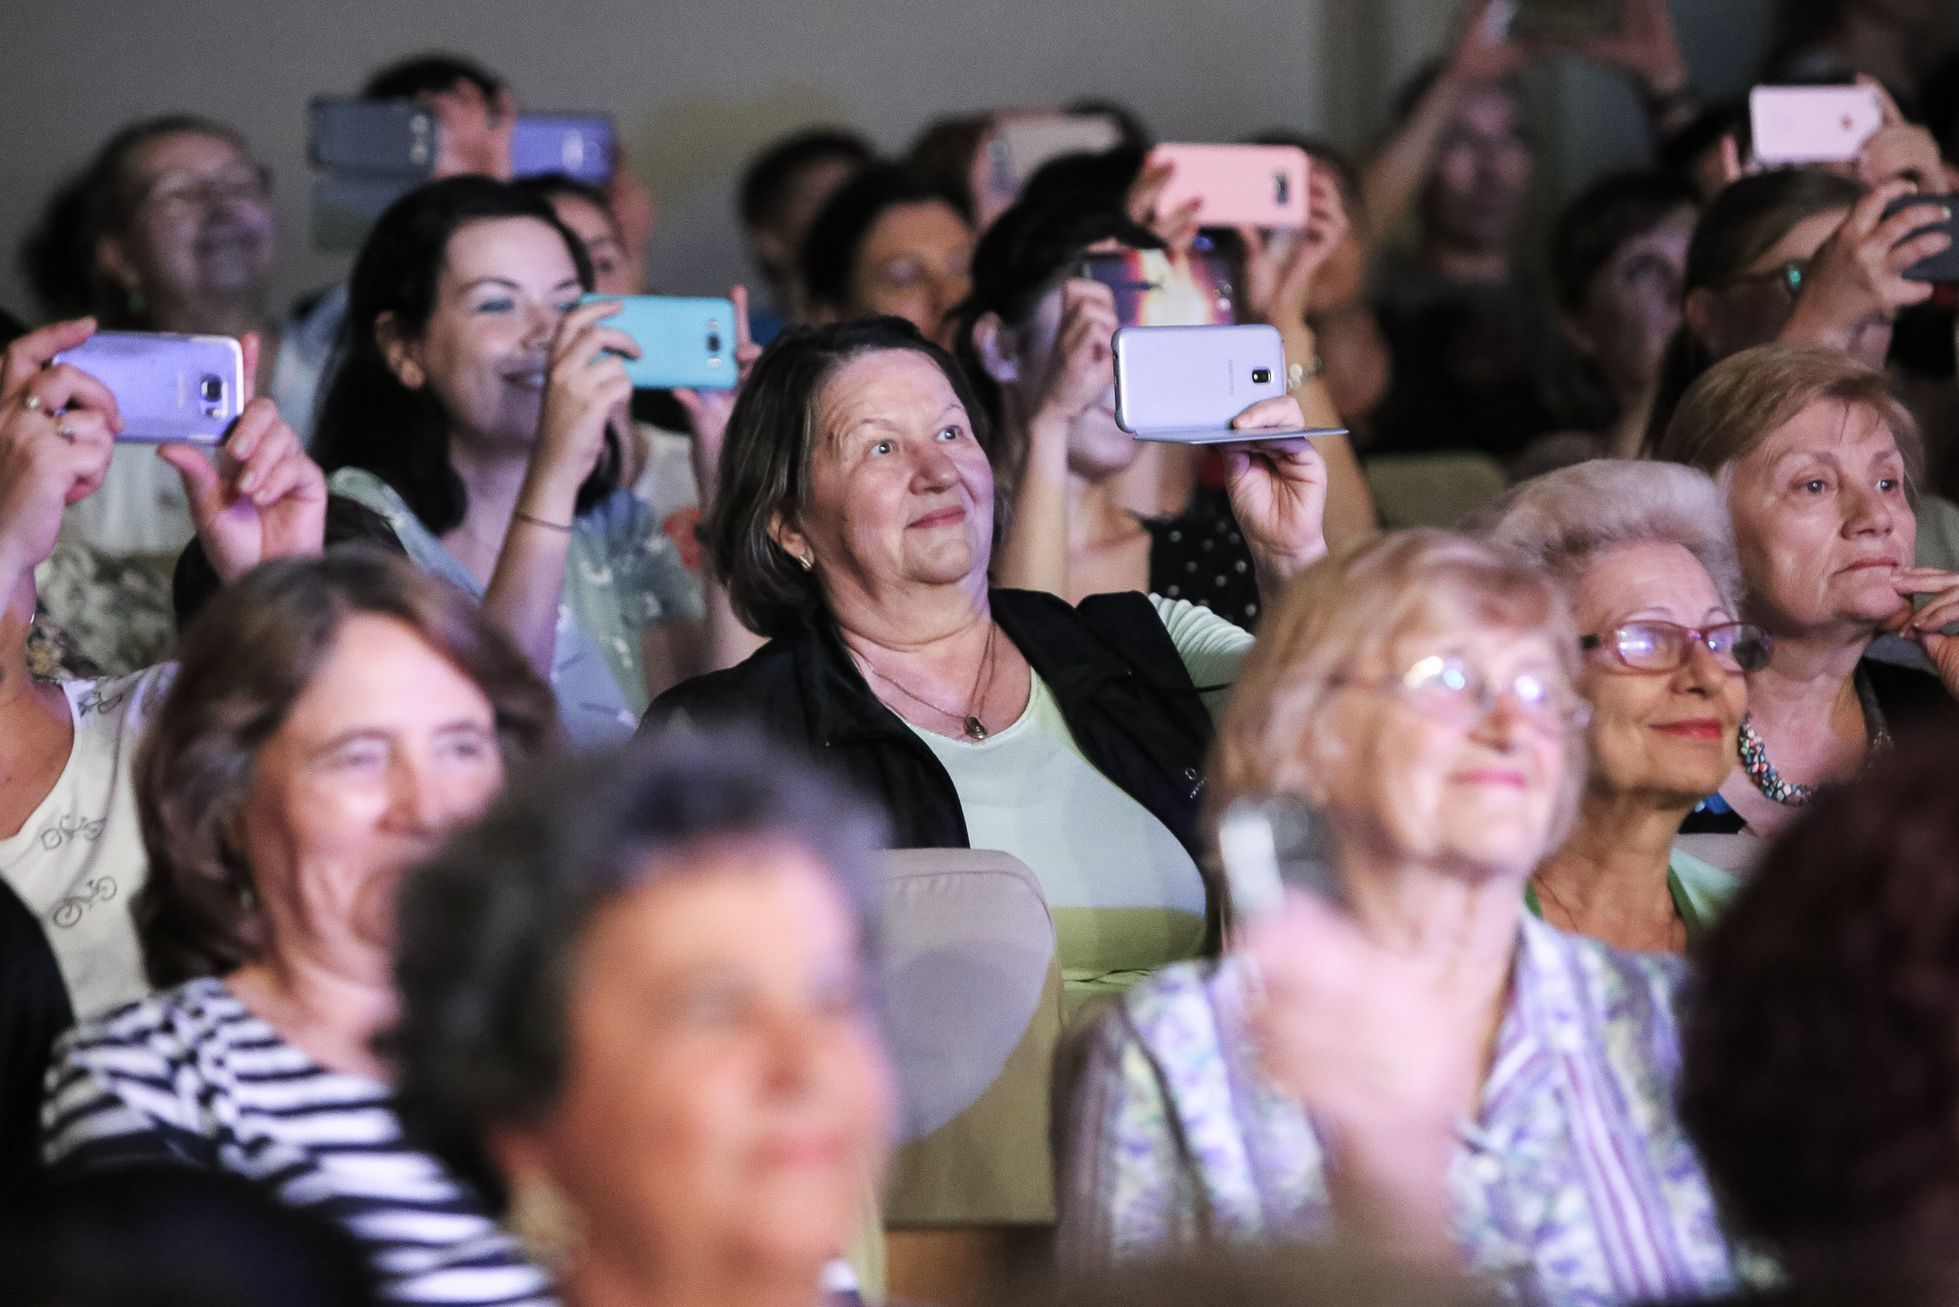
[1575, 1185]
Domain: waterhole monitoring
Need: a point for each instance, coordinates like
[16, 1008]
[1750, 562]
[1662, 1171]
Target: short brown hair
[245, 660]
[1744, 399]
[765, 463]
[1351, 608]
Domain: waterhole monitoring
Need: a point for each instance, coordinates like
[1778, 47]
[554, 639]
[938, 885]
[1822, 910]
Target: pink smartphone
[1813, 124]
[1240, 185]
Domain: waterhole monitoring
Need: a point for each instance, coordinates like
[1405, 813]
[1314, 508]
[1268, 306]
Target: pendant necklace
[969, 721]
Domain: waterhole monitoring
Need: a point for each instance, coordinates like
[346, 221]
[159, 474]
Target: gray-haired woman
[635, 1000]
[1648, 564]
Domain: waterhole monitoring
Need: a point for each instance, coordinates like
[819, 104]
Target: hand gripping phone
[168, 388]
[683, 340]
[1941, 214]
[1794, 125]
[1184, 385]
[1240, 185]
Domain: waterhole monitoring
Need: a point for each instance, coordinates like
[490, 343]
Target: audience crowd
[486, 832]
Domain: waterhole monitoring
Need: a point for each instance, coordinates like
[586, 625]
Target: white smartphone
[168, 388]
[1812, 124]
[1185, 384]
[1266, 845]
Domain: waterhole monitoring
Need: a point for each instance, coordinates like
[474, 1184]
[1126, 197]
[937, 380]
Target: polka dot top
[1201, 556]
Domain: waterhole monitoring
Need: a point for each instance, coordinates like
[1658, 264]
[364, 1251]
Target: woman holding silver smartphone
[1419, 1065]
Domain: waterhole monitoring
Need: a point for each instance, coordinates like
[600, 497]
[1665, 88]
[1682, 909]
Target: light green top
[1126, 897]
[1700, 891]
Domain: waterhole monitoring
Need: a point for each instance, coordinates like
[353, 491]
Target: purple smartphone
[577, 145]
[168, 388]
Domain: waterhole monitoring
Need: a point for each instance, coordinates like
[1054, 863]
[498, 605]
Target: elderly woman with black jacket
[853, 525]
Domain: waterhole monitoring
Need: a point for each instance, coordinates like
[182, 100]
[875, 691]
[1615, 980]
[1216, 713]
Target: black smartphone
[1942, 215]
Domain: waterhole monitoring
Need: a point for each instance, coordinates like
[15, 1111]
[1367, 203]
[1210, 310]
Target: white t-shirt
[78, 861]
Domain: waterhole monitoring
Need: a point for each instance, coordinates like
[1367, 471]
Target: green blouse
[1701, 891]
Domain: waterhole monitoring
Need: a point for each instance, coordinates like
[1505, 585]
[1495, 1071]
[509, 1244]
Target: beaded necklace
[1790, 794]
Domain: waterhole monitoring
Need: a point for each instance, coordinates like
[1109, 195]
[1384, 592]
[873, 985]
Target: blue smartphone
[577, 145]
[683, 340]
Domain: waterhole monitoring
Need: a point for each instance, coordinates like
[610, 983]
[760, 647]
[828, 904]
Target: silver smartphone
[1268, 844]
[1185, 384]
[168, 388]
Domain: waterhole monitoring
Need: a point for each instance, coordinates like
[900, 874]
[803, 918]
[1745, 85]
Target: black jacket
[1109, 663]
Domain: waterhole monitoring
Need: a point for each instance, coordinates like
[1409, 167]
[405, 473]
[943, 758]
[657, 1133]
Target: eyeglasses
[174, 194]
[1785, 277]
[1450, 689]
[1663, 646]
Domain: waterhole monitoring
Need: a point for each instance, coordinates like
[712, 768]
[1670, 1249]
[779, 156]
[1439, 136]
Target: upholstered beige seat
[972, 993]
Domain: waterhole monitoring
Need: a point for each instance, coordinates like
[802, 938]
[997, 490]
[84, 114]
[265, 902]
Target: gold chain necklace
[969, 721]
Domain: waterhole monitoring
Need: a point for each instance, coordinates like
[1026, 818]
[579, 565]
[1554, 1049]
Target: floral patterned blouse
[1576, 1185]
[622, 577]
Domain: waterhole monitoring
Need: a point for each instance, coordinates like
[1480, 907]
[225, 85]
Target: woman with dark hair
[1039, 336]
[475, 406]
[330, 720]
[853, 526]
[652, 1030]
[1822, 1049]
[1797, 256]
[170, 227]
[1618, 259]
[888, 243]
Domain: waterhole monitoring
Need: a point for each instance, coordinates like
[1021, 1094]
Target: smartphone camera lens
[714, 342]
[1281, 188]
[211, 388]
[1261, 376]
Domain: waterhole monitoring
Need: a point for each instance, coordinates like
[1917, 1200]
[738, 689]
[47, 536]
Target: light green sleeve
[1212, 648]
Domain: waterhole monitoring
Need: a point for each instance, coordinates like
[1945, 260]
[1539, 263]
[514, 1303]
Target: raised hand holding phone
[584, 388]
[263, 498]
[1277, 489]
[1860, 271]
[708, 411]
[57, 434]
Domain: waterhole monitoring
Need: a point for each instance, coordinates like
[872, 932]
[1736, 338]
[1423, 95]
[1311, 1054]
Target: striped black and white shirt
[191, 1075]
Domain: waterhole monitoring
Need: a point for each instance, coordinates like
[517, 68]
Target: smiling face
[504, 284]
[200, 226]
[1475, 797]
[900, 493]
[1664, 733]
[386, 749]
[1822, 521]
[915, 263]
[727, 1099]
